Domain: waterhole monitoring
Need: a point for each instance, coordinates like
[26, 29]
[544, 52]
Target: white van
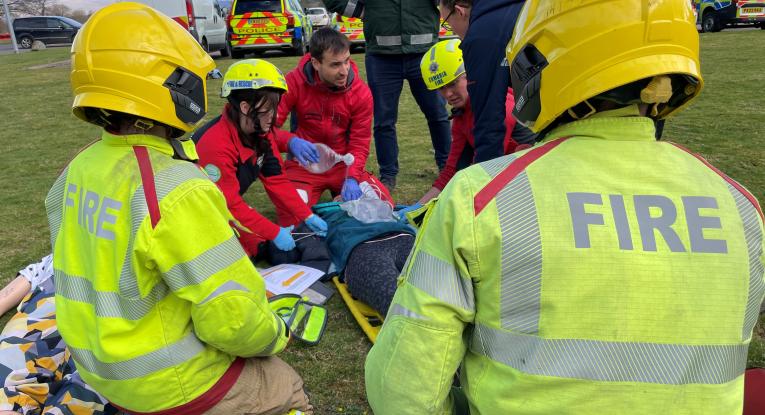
[205, 20]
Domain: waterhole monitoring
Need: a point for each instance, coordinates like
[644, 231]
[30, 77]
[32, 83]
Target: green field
[38, 136]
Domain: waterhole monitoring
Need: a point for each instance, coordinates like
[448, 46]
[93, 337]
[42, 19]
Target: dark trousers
[386, 75]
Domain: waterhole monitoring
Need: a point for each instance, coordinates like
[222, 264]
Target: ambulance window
[249, 6]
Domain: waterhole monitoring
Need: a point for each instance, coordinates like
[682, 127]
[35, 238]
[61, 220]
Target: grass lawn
[38, 136]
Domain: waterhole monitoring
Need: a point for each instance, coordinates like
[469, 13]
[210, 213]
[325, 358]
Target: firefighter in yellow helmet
[162, 310]
[599, 272]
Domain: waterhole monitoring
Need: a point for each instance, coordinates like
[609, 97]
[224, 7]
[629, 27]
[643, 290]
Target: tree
[28, 7]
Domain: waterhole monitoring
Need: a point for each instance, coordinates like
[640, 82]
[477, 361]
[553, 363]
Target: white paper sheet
[289, 278]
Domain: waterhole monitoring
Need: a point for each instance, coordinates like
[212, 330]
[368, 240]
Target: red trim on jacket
[147, 179]
[487, 194]
[220, 146]
[462, 135]
[205, 401]
[341, 119]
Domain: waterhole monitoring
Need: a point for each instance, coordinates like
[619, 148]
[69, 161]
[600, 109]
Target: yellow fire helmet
[564, 54]
[133, 59]
[442, 64]
[252, 74]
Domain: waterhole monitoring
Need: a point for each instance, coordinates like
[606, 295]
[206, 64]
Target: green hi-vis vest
[602, 273]
[154, 295]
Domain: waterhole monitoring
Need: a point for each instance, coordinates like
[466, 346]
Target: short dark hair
[328, 39]
[449, 4]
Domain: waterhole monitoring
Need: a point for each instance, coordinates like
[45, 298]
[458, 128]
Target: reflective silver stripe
[227, 287]
[668, 364]
[179, 352]
[753, 235]
[269, 350]
[388, 40]
[54, 204]
[422, 39]
[441, 280]
[494, 166]
[350, 8]
[399, 310]
[207, 263]
[107, 304]
[521, 266]
[165, 181]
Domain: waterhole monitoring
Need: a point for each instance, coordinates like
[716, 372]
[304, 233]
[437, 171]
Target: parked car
[204, 19]
[259, 25]
[319, 16]
[714, 16]
[351, 27]
[46, 29]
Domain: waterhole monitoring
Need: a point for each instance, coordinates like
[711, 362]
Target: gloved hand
[284, 240]
[402, 212]
[304, 151]
[351, 190]
[317, 225]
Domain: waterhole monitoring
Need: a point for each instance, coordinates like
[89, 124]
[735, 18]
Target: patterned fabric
[39, 375]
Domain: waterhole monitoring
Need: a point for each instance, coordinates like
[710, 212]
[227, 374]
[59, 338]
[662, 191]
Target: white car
[204, 19]
[319, 16]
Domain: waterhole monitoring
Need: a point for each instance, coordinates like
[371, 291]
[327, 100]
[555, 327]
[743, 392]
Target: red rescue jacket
[463, 140]
[234, 166]
[341, 118]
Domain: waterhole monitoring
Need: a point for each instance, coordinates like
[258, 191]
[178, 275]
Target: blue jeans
[386, 74]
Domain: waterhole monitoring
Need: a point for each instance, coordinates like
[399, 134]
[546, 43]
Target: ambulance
[260, 25]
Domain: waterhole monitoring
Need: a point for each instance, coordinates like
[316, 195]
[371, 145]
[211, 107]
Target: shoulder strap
[725, 177]
[485, 195]
[147, 179]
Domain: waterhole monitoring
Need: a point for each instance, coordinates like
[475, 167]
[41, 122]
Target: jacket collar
[623, 124]
[144, 140]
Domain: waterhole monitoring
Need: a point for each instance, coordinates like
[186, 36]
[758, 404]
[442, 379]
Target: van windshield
[249, 6]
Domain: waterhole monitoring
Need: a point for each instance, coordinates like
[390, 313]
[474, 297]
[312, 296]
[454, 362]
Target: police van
[204, 19]
[259, 25]
[714, 16]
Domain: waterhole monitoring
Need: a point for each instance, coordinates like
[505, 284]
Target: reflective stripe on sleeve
[56, 209]
[225, 288]
[441, 280]
[753, 234]
[207, 263]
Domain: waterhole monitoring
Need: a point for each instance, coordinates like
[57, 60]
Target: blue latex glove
[304, 151]
[317, 225]
[402, 212]
[351, 190]
[284, 240]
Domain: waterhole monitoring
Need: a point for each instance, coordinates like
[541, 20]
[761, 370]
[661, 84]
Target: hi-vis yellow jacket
[613, 274]
[154, 295]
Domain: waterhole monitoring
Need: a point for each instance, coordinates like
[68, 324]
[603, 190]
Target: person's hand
[284, 240]
[304, 151]
[402, 212]
[351, 190]
[317, 225]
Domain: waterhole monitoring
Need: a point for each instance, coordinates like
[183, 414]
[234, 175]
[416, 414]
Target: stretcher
[370, 320]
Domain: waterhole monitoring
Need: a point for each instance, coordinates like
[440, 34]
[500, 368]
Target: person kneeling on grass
[330, 104]
[600, 272]
[444, 70]
[161, 308]
[240, 146]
